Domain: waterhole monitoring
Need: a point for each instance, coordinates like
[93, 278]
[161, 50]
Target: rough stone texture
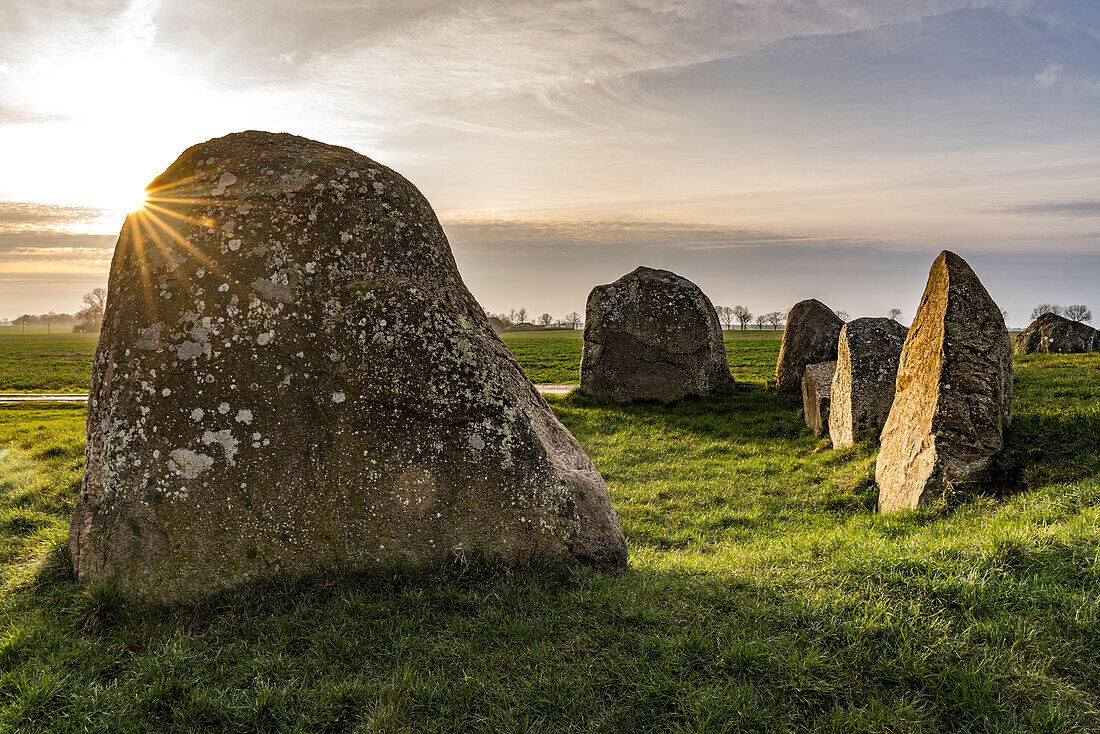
[810, 337]
[1053, 334]
[866, 372]
[292, 375]
[816, 387]
[954, 392]
[652, 335]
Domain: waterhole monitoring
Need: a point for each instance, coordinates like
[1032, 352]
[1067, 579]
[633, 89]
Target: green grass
[39, 362]
[765, 595]
[63, 363]
[555, 356]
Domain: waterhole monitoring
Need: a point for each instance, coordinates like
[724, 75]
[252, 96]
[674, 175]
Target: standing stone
[816, 388]
[810, 337]
[652, 335]
[1054, 334]
[292, 375]
[866, 372]
[954, 392]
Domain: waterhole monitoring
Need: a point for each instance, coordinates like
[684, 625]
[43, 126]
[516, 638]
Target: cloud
[570, 236]
[23, 216]
[1069, 208]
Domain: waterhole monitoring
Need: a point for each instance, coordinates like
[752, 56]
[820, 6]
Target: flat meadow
[765, 593]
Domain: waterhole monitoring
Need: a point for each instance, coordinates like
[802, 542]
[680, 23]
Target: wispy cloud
[1071, 208]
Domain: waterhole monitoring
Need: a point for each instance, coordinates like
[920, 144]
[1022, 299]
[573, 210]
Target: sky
[769, 150]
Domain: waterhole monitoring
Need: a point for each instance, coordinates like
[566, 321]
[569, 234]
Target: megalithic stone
[816, 389]
[292, 375]
[1054, 334]
[810, 336]
[652, 335]
[953, 395]
[863, 384]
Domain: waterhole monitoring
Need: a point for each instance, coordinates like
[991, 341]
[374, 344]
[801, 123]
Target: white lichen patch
[223, 438]
[225, 180]
[197, 414]
[265, 338]
[189, 464]
[244, 416]
[338, 397]
[189, 350]
[223, 408]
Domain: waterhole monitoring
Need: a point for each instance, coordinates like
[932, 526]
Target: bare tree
[761, 320]
[573, 319]
[545, 319]
[521, 314]
[1078, 312]
[893, 314]
[725, 315]
[843, 315]
[90, 318]
[1004, 314]
[1043, 308]
[774, 318]
[743, 315]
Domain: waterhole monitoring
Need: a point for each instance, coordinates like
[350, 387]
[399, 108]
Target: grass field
[36, 362]
[765, 595]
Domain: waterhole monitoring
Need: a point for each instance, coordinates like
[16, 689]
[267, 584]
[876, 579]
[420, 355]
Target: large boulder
[652, 335]
[292, 375]
[810, 337]
[953, 394]
[1054, 334]
[863, 385]
[816, 388]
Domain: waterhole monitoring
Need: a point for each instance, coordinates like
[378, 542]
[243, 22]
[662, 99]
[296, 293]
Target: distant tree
[743, 315]
[545, 319]
[774, 318]
[1043, 308]
[725, 315]
[1078, 312]
[521, 314]
[573, 319]
[1004, 314]
[843, 315]
[893, 314]
[90, 318]
[761, 320]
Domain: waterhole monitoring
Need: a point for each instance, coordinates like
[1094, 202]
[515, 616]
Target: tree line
[518, 316]
[1076, 312]
[87, 320]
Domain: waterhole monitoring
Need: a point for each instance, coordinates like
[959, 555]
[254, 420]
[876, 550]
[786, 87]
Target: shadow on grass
[1046, 449]
[485, 649]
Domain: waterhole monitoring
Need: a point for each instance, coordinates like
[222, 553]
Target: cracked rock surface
[652, 335]
[953, 394]
[1054, 334]
[810, 337]
[292, 375]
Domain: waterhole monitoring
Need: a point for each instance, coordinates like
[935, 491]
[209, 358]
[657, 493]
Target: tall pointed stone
[954, 392]
[292, 375]
[863, 384]
[809, 337]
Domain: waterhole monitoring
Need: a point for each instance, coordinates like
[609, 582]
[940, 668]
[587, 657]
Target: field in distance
[62, 362]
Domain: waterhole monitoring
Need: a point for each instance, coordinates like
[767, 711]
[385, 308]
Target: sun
[137, 203]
